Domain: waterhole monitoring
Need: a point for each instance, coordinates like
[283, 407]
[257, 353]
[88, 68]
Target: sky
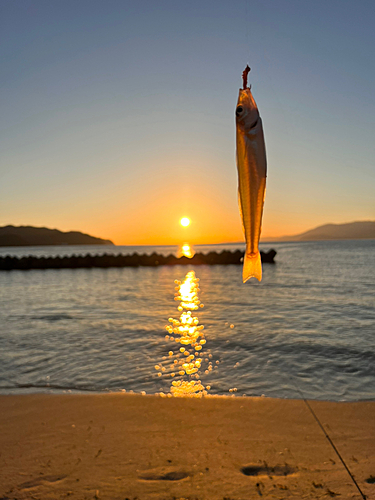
[117, 117]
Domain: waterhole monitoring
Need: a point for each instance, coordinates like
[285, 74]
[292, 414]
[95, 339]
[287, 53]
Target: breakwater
[225, 257]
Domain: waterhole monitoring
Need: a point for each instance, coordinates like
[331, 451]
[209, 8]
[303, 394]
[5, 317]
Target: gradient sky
[117, 117]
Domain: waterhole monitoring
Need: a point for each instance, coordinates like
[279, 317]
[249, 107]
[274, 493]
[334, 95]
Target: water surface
[308, 328]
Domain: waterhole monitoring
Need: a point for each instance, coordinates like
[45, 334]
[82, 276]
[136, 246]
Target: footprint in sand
[267, 470]
[40, 480]
[163, 474]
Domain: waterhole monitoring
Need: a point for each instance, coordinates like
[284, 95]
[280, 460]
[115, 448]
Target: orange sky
[118, 121]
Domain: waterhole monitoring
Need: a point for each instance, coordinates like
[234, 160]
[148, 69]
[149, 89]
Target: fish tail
[252, 267]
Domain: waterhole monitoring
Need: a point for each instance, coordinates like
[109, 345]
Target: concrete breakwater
[225, 257]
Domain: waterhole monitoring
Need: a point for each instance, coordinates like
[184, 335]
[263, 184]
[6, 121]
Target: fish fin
[252, 267]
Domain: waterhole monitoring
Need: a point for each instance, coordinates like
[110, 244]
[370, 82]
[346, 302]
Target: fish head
[247, 113]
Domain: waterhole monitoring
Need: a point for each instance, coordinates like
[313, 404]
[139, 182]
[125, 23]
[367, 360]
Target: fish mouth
[255, 123]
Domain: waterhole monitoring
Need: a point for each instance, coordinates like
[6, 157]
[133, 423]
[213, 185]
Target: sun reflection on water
[185, 360]
[185, 250]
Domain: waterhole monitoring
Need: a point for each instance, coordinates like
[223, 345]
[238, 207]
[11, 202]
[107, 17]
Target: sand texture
[116, 446]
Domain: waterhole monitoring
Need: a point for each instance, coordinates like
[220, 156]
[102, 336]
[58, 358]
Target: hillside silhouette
[349, 231]
[12, 236]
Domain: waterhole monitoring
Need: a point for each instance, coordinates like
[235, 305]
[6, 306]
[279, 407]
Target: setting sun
[185, 221]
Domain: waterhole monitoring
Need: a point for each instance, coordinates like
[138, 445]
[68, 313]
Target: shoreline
[48, 391]
[121, 445]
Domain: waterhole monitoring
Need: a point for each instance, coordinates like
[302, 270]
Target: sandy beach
[120, 446]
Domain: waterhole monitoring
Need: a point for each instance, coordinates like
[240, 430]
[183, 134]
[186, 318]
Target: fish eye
[239, 110]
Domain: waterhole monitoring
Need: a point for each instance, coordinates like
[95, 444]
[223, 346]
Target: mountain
[349, 231]
[12, 236]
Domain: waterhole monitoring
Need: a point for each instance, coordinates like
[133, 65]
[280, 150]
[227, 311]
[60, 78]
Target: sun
[185, 221]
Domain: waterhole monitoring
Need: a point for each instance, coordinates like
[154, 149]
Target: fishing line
[327, 436]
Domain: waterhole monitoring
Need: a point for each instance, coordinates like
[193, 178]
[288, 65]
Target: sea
[307, 330]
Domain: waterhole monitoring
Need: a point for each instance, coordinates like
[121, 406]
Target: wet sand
[117, 446]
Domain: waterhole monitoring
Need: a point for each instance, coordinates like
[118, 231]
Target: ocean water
[307, 329]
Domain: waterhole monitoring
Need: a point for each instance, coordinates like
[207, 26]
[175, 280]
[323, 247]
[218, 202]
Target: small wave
[124, 297]
[293, 347]
[41, 317]
[53, 387]
[52, 317]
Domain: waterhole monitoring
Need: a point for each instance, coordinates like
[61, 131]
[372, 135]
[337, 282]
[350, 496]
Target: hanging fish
[252, 172]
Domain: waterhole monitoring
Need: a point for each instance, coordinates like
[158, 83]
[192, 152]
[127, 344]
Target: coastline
[126, 446]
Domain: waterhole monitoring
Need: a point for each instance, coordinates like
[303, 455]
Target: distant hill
[12, 236]
[349, 231]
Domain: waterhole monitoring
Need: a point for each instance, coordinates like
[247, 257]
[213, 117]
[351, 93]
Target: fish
[252, 173]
